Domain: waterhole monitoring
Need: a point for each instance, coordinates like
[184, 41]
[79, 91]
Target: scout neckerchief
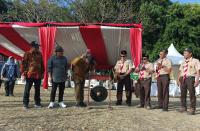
[158, 69]
[185, 69]
[142, 72]
[122, 65]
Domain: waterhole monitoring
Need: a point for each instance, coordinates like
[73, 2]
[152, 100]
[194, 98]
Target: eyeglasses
[123, 56]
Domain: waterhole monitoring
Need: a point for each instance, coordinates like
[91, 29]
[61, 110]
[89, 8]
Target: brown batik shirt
[32, 65]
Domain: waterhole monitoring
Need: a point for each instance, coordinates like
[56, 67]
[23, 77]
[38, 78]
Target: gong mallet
[111, 77]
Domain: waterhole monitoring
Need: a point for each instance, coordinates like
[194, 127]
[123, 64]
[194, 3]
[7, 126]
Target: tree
[182, 29]
[111, 11]
[33, 11]
[153, 16]
[4, 5]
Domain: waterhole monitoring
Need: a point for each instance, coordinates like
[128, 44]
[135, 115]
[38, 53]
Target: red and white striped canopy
[104, 40]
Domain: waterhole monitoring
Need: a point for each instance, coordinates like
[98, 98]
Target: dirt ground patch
[121, 118]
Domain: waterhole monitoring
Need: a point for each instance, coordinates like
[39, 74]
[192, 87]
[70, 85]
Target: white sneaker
[62, 105]
[38, 106]
[51, 105]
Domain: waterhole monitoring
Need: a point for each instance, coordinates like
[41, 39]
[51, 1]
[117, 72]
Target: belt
[164, 75]
[124, 74]
[189, 77]
[144, 79]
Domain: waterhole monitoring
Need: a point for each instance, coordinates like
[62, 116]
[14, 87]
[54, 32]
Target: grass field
[99, 118]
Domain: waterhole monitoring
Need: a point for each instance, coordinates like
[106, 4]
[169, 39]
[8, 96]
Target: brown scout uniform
[163, 81]
[122, 68]
[145, 85]
[80, 69]
[188, 83]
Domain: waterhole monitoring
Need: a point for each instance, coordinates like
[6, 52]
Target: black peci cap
[123, 52]
[188, 50]
[59, 49]
[145, 56]
[34, 44]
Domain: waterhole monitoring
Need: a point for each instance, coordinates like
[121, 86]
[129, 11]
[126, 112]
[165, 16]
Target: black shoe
[118, 103]
[191, 113]
[6, 94]
[11, 95]
[165, 110]
[128, 104]
[157, 107]
[81, 104]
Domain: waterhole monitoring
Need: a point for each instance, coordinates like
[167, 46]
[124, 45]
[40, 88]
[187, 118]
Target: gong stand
[103, 78]
[109, 95]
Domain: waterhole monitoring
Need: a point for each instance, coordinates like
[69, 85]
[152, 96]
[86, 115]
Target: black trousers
[120, 84]
[9, 87]
[61, 86]
[28, 85]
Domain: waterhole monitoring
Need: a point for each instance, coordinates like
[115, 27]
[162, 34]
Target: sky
[187, 1]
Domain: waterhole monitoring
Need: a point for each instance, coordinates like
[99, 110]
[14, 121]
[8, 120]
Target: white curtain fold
[28, 33]
[115, 39]
[71, 40]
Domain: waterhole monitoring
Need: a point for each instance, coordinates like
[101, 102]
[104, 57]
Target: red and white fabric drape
[136, 45]
[93, 39]
[47, 40]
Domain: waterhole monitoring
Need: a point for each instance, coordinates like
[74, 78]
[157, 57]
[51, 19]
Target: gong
[99, 93]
